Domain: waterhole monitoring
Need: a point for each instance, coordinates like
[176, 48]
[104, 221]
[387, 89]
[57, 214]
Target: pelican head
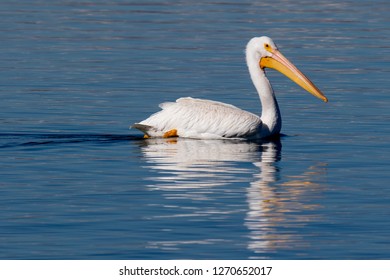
[268, 56]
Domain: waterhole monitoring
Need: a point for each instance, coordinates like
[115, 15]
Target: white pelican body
[206, 119]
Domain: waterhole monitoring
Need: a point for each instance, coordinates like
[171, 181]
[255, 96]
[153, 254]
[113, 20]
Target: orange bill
[280, 63]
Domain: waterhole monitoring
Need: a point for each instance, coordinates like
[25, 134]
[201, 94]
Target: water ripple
[13, 140]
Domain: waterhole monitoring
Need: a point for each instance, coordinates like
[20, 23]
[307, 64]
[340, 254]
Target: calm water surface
[75, 183]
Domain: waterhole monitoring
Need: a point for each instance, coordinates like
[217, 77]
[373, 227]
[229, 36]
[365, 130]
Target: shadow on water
[15, 140]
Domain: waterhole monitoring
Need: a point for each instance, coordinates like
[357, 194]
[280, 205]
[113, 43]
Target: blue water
[75, 183]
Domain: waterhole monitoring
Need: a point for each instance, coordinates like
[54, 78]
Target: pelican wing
[200, 118]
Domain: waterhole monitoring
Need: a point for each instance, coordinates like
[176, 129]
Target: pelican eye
[267, 47]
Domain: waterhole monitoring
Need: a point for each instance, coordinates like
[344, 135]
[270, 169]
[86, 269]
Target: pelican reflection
[200, 169]
[279, 207]
[189, 163]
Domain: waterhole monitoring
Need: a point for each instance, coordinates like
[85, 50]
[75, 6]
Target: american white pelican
[206, 119]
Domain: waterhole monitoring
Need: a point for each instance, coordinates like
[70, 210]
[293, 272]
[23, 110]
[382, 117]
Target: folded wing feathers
[197, 116]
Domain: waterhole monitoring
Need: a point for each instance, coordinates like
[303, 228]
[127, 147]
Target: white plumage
[206, 119]
[199, 118]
